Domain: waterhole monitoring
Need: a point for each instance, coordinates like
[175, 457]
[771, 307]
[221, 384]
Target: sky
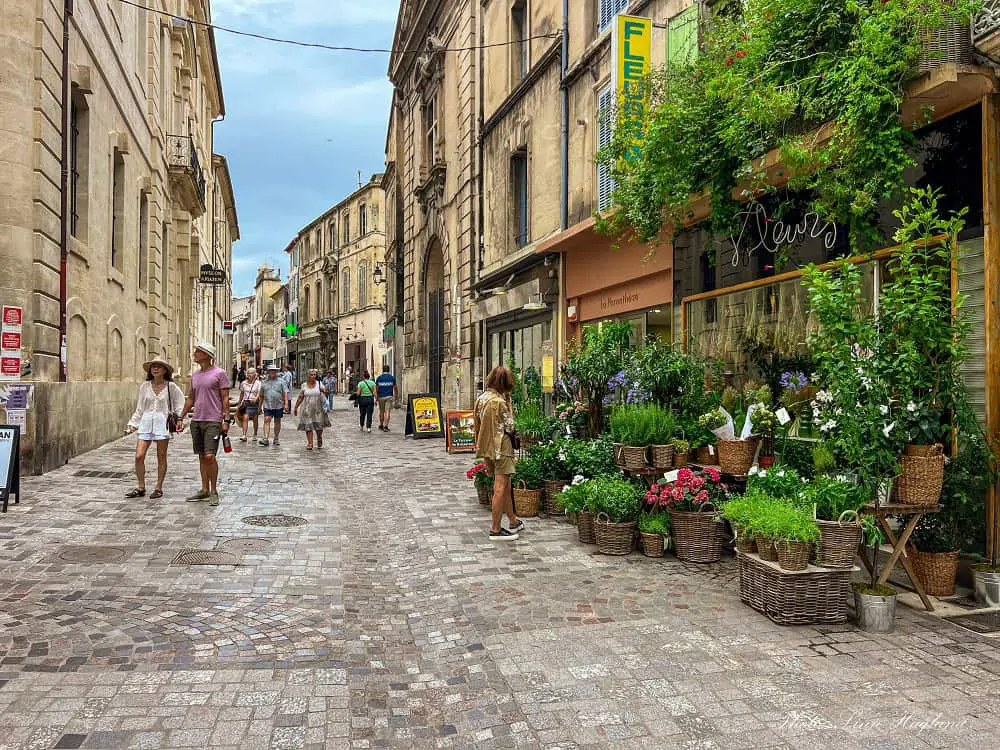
[300, 122]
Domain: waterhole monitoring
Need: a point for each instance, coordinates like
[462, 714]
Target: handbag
[515, 439]
[171, 417]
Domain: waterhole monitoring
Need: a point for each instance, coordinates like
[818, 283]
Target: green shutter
[682, 37]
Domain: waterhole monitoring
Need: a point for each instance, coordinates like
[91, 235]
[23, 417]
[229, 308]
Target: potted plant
[741, 511]
[527, 481]
[531, 423]
[654, 530]
[483, 483]
[662, 429]
[793, 530]
[632, 431]
[575, 501]
[764, 423]
[592, 362]
[692, 500]
[874, 603]
[553, 457]
[836, 503]
[681, 448]
[617, 503]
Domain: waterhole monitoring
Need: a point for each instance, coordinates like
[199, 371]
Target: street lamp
[378, 276]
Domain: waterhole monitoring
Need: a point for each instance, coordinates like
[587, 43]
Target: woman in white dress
[312, 399]
[159, 397]
[249, 405]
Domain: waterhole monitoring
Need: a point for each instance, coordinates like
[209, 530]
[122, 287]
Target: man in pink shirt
[209, 397]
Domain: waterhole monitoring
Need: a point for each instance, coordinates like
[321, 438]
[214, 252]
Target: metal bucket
[875, 614]
[987, 588]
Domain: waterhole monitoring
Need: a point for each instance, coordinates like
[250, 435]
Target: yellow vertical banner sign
[632, 62]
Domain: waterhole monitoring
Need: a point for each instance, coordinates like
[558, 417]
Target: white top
[250, 392]
[151, 410]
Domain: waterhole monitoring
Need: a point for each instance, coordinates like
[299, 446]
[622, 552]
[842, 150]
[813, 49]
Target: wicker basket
[652, 544]
[485, 494]
[619, 458]
[633, 457]
[585, 527]
[812, 596]
[838, 541]
[936, 570]
[736, 456]
[745, 542]
[552, 488]
[792, 555]
[661, 456]
[572, 518]
[952, 43]
[707, 455]
[765, 548]
[922, 475]
[696, 535]
[526, 502]
[614, 538]
[680, 459]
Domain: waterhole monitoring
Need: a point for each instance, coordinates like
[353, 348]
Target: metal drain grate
[245, 546]
[205, 557]
[985, 623]
[104, 474]
[278, 519]
[92, 554]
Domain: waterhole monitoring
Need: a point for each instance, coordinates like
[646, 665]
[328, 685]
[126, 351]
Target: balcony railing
[186, 173]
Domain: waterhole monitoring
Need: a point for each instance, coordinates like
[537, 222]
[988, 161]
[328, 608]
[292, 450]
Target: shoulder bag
[171, 417]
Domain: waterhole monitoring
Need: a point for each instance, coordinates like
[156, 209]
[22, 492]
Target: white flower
[827, 425]
[781, 473]
[579, 478]
[887, 430]
[911, 407]
[763, 472]
[562, 455]
[753, 471]
[884, 409]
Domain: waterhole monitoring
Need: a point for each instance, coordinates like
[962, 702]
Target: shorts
[502, 465]
[275, 414]
[152, 437]
[205, 437]
[385, 403]
[252, 410]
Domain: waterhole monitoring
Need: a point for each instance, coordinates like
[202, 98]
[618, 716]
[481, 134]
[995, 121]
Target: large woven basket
[526, 502]
[661, 456]
[618, 456]
[614, 538]
[633, 457]
[485, 494]
[736, 456]
[794, 598]
[936, 570]
[707, 455]
[585, 527]
[652, 544]
[792, 555]
[765, 548]
[951, 43]
[680, 459]
[745, 542]
[552, 488]
[696, 535]
[838, 541]
[922, 475]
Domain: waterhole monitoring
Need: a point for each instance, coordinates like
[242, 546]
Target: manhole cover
[278, 519]
[245, 546]
[205, 557]
[984, 622]
[103, 474]
[93, 554]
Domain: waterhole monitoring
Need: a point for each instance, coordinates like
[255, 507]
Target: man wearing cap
[274, 394]
[209, 398]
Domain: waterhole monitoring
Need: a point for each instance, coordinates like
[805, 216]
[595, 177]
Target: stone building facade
[110, 202]
[263, 326]
[313, 252]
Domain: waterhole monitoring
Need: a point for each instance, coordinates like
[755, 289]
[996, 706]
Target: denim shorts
[275, 414]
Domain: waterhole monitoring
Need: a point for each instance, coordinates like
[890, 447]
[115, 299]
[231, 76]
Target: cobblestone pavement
[387, 619]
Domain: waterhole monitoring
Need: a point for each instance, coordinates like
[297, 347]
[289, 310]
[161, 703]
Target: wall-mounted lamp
[378, 275]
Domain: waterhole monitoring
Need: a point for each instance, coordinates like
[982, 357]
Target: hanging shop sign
[227, 326]
[461, 431]
[211, 275]
[10, 464]
[423, 416]
[632, 57]
[757, 232]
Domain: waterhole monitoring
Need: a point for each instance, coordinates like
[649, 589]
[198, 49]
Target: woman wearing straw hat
[159, 399]
[249, 405]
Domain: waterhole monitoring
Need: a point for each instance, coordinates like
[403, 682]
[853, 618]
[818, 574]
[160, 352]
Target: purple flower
[793, 381]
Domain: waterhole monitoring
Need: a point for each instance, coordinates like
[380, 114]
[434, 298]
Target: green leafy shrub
[680, 446]
[798, 455]
[781, 482]
[589, 458]
[618, 498]
[655, 523]
[575, 497]
[530, 419]
[642, 425]
[831, 497]
[529, 470]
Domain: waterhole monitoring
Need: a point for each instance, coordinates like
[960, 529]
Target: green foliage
[552, 458]
[764, 421]
[529, 470]
[758, 512]
[680, 446]
[655, 523]
[831, 497]
[530, 419]
[671, 377]
[798, 455]
[589, 458]
[642, 425]
[596, 359]
[574, 497]
[712, 420]
[780, 482]
[823, 458]
[618, 498]
[770, 74]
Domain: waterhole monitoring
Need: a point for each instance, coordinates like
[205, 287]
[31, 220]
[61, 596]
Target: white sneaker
[369, 430]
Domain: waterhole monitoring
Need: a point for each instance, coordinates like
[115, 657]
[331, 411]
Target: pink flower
[677, 493]
[702, 496]
[685, 474]
[697, 483]
[713, 474]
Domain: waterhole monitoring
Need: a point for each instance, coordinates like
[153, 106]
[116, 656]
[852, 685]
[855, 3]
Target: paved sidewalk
[388, 620]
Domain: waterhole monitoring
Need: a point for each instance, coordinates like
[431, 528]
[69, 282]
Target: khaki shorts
[502, 465]
[385, 404]
[205, 437]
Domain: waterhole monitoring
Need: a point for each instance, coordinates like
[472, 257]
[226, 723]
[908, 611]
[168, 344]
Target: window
[143, 242]
[519, 51]
[519, 196]
[165, 74]
[605, 183]
[345, 304]
[141, 29]
[164, 264]
[117, 208]
[430, 122]
[345, 225]
[332, 233]
[362, 284]
[362, 220]
[319, 299]
[79, 156]
[607, 10]
[305, 311]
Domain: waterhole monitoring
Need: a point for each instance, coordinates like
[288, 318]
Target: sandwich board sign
[10, 464]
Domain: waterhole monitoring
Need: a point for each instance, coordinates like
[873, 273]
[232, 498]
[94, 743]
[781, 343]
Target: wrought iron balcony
[186, 176]
[986, 29]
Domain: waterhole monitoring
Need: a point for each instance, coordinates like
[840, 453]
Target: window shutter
[682, 37]
[607, 10]
[971, 282]
[605, 184]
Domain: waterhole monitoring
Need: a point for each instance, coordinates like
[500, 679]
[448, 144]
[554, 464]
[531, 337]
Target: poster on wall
[10, 465]
[461, 431]
[423, 416]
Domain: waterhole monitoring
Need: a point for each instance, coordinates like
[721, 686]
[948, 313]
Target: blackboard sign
[423, 416]
[208, 274]
[10, 464]
[461, 435]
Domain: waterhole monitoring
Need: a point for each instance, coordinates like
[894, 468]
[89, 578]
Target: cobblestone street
[385, 618]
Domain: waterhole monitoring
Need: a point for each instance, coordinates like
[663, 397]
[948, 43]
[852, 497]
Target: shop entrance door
[435, 339]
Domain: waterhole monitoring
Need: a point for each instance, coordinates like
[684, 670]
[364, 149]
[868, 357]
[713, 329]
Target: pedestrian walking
[275, 399]
[248, 407]
[289, 379]
[156, 417]
[347, 380]
[494, 422]
[330, 383]
[314, 419]
[366, 399]
[209, 399]
[235, 381]
[242, 374]
[387, 393]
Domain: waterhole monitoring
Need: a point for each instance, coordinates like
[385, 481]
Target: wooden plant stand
[899, 556]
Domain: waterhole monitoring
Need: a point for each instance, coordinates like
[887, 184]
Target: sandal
[136, 493]
[155, 494]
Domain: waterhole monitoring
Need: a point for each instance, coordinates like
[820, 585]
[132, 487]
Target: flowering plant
[793, 381]
[479, 476]
[713, 420]
[572, 415]
[689, 492]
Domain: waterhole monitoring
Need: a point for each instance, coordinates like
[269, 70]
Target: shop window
[519, 46]
[519, 196]
[605, 183]
[607, 10]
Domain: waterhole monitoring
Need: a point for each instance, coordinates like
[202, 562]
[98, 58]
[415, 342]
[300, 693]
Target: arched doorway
[434, 302]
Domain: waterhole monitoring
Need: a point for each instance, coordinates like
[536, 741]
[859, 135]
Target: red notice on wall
[10, 367]
[10, 341]
[12, 317]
